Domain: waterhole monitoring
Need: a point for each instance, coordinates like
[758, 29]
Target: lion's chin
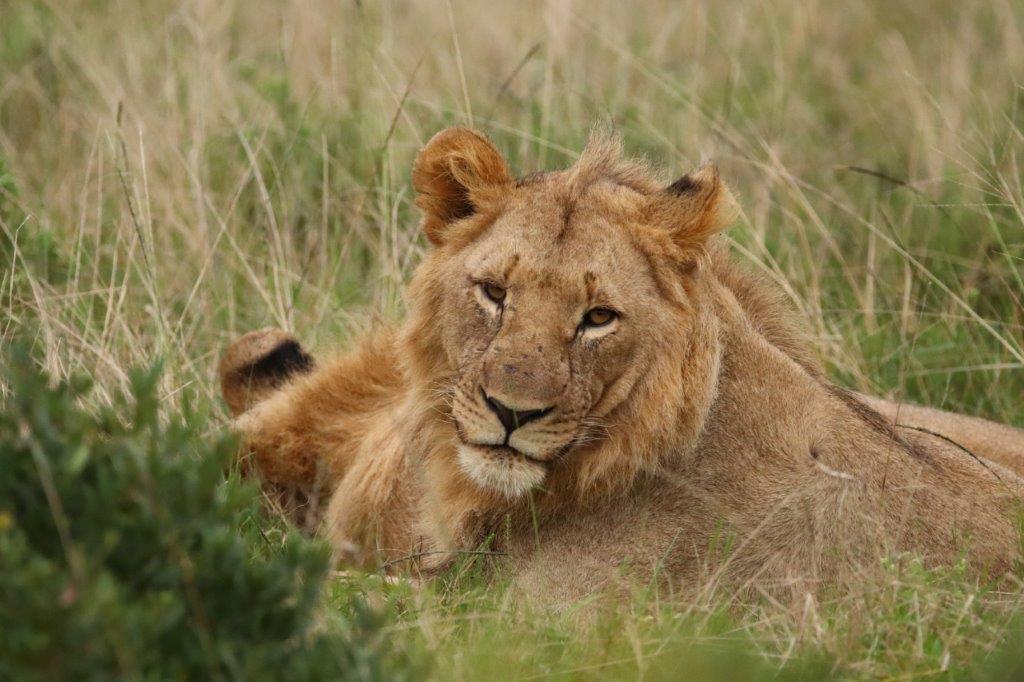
[500, 469]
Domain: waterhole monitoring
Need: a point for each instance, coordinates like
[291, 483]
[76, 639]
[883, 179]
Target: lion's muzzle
[512, 418]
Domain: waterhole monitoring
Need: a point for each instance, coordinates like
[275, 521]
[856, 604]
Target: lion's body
[726, 456]
[793, 483]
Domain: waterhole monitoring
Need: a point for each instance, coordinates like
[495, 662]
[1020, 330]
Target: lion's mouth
[503, 451]
[507, 451]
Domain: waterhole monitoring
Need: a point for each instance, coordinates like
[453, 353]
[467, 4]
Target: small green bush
[123, 553]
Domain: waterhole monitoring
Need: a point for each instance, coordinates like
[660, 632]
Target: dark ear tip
[684, 185]
[706, 177]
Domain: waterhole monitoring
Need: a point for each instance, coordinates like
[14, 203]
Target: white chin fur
[510, 476]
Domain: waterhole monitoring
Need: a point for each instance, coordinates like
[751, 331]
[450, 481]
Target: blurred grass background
[174, 174]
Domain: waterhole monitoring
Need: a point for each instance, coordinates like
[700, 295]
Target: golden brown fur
[996, 442]
[587, 382]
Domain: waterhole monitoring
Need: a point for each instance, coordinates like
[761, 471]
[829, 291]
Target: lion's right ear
[456, 173]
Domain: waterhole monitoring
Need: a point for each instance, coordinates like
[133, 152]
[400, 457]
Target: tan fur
[693, 438]
[996, 442]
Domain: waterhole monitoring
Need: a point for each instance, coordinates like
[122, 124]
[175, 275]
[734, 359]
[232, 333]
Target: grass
[175, 174]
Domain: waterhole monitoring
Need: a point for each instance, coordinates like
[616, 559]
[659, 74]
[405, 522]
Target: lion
[589, 390]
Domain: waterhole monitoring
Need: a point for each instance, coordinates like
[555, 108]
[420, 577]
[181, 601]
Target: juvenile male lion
[587, 383]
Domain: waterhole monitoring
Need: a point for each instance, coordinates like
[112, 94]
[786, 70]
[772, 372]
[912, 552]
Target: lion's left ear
[457, 172]
[693, 209]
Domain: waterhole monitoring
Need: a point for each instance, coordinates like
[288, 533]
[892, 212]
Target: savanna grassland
[174, 174]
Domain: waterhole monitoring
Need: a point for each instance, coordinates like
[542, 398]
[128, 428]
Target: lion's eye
[599, 317]
[493, 292]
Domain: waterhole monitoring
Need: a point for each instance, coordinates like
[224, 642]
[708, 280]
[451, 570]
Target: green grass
[175, 174]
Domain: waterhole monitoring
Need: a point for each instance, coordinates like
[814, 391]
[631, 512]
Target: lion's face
[550, 313]
[549, 309]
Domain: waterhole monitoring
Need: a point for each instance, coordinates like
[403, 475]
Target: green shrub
[123, 553]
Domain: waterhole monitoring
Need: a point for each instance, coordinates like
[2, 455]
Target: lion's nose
[511, 418]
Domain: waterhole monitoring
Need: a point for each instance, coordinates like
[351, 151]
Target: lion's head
[558, 315]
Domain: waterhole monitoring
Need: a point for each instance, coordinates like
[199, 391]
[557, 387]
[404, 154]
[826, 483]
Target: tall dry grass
[173, 174]
[179, 173]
